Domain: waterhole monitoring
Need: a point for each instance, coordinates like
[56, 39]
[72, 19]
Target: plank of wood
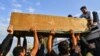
[24, 21]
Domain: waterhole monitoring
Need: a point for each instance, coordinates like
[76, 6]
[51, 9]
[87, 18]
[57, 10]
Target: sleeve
[6, 44]
[84, 40]
[41, 51]
[90, 15]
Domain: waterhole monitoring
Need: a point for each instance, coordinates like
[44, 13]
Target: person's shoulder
[52, 53]
[89, 12]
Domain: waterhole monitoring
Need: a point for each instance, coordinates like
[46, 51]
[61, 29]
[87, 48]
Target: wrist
[11, 33]
[51, 34]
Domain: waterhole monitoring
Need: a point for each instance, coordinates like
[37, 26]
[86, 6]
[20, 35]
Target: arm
[41, 51]
[41, 46]
[74, 39]
[36, 43]
[90, 19]
[7, 42]
[50, 41]
[78, 36]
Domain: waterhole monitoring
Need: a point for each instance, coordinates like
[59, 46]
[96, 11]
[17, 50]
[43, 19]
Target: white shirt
[88, 15]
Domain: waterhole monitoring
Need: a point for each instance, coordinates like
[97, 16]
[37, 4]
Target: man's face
[84, 11]
[22, 53]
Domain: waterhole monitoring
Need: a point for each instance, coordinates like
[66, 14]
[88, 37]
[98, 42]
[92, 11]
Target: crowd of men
[78, 46]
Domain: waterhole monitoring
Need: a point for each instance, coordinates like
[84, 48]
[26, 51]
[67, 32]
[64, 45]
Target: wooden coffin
[24, 21]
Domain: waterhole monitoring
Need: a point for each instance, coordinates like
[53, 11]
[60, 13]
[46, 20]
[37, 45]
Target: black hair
[70, 15]
[83, 7]
[17, 50]
[63, 47]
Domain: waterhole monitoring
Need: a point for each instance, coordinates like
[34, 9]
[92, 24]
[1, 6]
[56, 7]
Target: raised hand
[52, 32]
[10, 29]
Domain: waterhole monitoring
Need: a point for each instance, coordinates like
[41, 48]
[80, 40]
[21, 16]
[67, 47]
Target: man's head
[83, 9]
[70, 15]
[63, 47]
[19, 51]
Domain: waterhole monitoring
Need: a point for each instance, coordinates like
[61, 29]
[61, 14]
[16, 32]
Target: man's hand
[10, 29]
[71, 31]
[52, 32]
[33, 29]
[50, 40]
[36, 42]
